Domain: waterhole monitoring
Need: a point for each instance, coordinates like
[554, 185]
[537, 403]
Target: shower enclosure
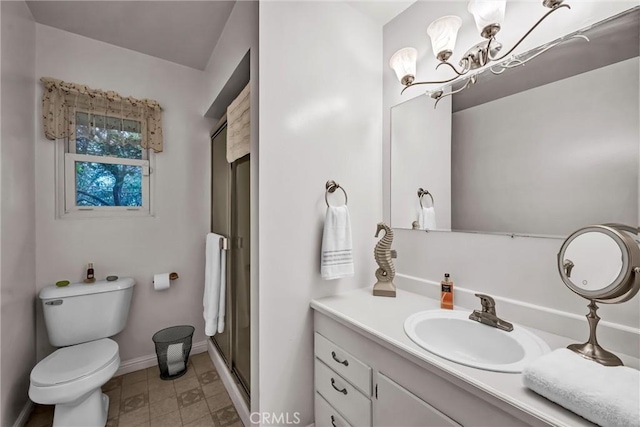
[230, 216]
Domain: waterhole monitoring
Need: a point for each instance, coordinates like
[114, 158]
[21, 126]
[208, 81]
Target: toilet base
[88, 411]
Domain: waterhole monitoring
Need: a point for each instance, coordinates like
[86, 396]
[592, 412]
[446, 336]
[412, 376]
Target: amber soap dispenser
[446, 297]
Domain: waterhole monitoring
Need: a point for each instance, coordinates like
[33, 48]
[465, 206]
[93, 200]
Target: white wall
[17, 213]
[239, 36]
[320, 103]
[138, 247]
[522, 269]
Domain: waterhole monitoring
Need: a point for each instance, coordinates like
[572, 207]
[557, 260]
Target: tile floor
[141, 398]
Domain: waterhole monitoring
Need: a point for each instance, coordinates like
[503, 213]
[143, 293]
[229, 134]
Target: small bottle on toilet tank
[90, 274]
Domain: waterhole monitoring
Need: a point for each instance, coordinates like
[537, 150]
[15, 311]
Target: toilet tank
[83, 312]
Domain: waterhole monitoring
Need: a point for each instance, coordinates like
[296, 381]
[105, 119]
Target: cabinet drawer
[345, 364]
[351, 403]
[326, 416]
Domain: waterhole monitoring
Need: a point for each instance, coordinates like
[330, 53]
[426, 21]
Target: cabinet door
[396, 406]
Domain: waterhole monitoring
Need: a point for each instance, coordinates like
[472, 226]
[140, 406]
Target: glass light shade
[403, 62]
[443, 33]
[487, 12]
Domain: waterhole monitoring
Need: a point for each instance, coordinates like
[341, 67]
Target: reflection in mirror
[421, 158]
[593, 261]
[539, 150]
[601, 262]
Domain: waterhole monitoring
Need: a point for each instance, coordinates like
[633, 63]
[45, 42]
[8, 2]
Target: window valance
[61, 101]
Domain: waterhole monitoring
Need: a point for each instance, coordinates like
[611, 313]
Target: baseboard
[150, 360]
[613, 336]
[229, 382]
[24, 414]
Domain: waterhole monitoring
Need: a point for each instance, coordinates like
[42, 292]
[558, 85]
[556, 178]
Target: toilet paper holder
[172, 276]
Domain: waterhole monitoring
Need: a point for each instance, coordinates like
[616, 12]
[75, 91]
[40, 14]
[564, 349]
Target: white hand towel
[214, 286]
[606, 395]
[337, 247]
[427, 218]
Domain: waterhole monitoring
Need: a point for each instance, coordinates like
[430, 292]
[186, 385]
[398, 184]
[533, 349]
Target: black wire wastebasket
[173, 346]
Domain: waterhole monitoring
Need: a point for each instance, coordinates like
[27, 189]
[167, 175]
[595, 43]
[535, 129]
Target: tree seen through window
[107, 184]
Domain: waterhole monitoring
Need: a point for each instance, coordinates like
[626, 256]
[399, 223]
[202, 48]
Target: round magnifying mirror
[598, 263]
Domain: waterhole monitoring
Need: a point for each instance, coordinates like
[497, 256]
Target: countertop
[383, 319]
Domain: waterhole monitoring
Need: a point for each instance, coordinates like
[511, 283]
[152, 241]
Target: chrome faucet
[488, 314]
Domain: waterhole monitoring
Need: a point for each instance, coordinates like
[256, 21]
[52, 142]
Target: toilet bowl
[80, 318]
[71, 378]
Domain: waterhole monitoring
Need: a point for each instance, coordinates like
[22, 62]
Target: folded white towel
[337, 247]
[214, 286]
[606, 395]
[427, 218]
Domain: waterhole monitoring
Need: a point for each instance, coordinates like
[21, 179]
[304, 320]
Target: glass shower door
[241, 269]
[231, 217]
[221, 218]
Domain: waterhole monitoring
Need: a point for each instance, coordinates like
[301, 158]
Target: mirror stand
[582, 260]
[591, 349]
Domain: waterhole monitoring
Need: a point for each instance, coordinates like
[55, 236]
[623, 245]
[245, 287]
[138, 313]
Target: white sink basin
[451, 335]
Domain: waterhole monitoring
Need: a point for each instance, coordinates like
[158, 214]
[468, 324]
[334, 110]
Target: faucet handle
[488, 303]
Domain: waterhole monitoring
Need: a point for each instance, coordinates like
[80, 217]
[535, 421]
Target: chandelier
[489, 17]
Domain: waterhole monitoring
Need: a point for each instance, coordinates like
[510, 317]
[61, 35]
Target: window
[106, 170]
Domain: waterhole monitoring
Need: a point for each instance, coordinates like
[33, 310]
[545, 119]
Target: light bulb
[489, 15]
[403, 62]
[443, 33]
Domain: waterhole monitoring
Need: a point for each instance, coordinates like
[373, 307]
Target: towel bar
[422, 192]
[331, 187]
[224, 244]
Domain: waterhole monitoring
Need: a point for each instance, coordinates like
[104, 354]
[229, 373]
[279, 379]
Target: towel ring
[331, 187]
[421, 193]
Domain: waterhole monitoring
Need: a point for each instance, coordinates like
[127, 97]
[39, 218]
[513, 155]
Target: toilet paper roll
[161, 281]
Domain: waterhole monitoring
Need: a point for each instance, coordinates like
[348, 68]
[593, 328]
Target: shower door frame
[229, 318]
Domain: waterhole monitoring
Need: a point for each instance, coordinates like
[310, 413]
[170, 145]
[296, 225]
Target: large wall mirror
[540, 150]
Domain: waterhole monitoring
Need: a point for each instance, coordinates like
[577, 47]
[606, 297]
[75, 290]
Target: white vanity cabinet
[345, 396]
[360, 382]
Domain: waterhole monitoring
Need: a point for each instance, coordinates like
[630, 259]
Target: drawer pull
[333, 384]
[333, 421]
[345, 362]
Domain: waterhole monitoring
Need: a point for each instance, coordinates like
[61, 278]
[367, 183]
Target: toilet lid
[74, 362]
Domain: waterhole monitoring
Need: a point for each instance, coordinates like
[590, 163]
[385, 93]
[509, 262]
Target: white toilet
[80, 317]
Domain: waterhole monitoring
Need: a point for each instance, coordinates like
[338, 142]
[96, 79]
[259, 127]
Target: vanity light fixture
[489, 18]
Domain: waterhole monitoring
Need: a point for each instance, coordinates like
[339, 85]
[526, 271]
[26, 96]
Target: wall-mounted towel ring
[331, 187]
[421, 193]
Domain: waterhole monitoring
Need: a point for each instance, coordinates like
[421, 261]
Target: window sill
[102, 214]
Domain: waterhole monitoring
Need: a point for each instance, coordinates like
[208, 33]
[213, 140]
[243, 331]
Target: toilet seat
[71, 372]
[72, 363]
